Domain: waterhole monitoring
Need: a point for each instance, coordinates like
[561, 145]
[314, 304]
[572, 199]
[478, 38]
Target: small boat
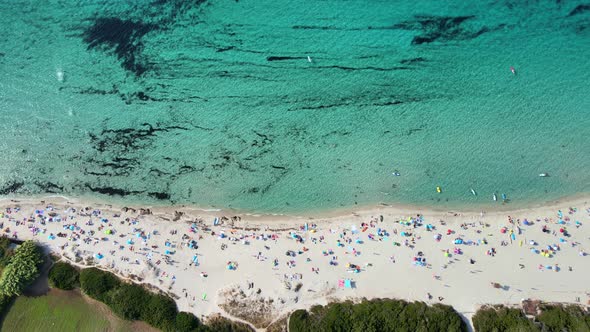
[504, 197]
[495, 197]
[438, 190]
[544, 175]
[473, 192]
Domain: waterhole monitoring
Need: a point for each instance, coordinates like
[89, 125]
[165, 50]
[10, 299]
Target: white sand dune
[387, 270]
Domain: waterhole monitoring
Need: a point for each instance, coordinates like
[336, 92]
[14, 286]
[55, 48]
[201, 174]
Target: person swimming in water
[513, 70]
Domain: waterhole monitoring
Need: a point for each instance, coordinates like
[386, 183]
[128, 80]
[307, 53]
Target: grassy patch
[60, 311]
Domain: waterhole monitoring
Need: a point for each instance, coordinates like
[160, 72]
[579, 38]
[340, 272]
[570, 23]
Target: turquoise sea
[215, 103]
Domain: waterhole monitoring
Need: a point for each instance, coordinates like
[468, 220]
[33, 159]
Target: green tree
[22, 269]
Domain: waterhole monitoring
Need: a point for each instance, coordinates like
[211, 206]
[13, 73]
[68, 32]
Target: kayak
[503, 196]
[473, 192]
[495, 197]
[544, 175]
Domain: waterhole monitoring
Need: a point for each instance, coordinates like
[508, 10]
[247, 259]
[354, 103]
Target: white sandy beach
[386, 269]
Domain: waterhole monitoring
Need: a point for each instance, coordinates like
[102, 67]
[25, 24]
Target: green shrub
[5, 251]
[64, 276]
[377, 315]
[222, 324]
[5, 303]
[186, 322]
[134, 302]
[160, 311]
[22, 269]
[97, 283]
[500, 318]
[299, 321]
[128, 300]
[564, 318]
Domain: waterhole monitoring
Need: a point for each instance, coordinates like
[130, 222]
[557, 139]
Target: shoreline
[335, 213]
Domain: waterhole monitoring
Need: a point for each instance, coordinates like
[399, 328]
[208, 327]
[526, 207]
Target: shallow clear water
[215, 103]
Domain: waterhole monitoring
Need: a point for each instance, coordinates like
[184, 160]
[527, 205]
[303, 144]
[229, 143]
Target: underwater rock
[111, 191]
[282, 58]
[123, 37]
[579, 9]
[412, 61]
[440, 28]
[11, 188]
[160, 196]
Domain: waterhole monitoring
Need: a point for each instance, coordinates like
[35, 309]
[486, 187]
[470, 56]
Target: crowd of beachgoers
[461, 259]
